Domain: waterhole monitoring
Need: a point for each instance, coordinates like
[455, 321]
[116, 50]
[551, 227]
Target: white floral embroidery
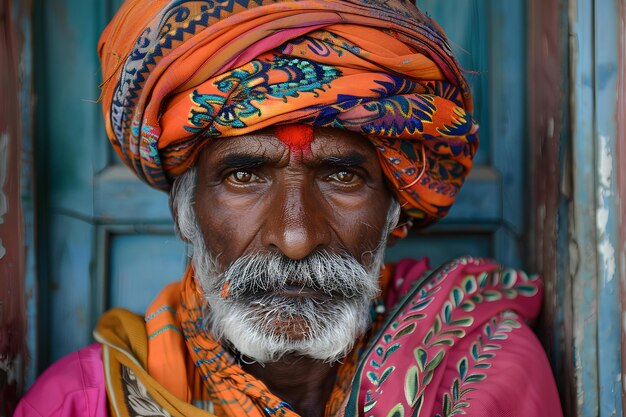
[138, 400]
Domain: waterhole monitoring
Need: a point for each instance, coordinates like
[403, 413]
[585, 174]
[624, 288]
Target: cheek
[360, 225]
[228, 223]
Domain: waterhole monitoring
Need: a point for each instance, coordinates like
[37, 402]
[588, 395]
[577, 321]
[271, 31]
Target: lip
[297, 291]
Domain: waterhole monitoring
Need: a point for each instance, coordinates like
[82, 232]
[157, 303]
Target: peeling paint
[602, 218]
[606, 251]
[4, 166]
[9, 368]
[606, 166]
[607, 254]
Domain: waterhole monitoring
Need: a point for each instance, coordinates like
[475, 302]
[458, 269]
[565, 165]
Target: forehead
[327, 142]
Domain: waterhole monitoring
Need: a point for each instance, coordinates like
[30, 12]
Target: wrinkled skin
[256, 193]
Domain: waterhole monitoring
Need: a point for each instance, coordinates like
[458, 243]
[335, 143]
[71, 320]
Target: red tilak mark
[296, 136]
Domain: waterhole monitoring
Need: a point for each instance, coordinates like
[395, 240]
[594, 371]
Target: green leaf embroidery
[405, 331]
[474, 351]
[463, 322]
[475, 378]
[428, 336]
[469, 284]
[446, 405]
[421, 356]
[391, 349]
[437, 325]
[468, 306]
[369, 405]
[434, 362]
[411, 385]
[455, 390]
[422, 304]
[509, 278]
[462, 367]
[397, 411]
[483, 278]
[447, 312]
[427, 378]
[385, 374]
[443, 341]
[492, 295]
[414, 316]
[527, 290]
[372, 377]
[454, 332]
[457, 296]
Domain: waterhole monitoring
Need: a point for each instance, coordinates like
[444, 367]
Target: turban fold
[180, 72]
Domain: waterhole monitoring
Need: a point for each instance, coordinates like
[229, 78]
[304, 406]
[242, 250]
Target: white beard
[262, 324]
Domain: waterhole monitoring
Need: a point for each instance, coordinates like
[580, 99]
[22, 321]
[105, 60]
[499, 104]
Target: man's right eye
[242, 177]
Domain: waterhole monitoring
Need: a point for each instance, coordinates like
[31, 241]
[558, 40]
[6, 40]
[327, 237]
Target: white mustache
[337, 275]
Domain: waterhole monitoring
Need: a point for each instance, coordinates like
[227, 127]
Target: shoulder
[501, 369]
[72, 386]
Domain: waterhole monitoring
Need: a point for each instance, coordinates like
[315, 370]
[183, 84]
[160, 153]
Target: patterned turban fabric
[179, 73]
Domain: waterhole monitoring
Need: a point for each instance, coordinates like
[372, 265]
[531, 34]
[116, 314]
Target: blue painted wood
[507, 103]
[606, 55]
[69, 290]
[121, 197]
[27, 98]
[430, 244]
[134, 284]
[583, 257]
[466, 24]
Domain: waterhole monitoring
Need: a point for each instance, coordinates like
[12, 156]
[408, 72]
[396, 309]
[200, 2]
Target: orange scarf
[180, 364]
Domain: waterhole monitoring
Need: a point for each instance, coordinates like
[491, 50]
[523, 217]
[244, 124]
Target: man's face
[294, 238]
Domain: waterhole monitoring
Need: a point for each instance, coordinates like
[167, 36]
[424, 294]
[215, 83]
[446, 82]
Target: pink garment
[74, 386]
[458, 344]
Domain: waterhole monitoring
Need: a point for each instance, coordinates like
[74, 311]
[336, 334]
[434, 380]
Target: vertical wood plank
[606, 56]
[71, 149]
[583, 232]
[550, 182]
[14, 80]
[621, 181]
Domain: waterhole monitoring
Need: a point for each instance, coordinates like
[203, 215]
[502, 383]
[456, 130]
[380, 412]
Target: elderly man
[296, 138]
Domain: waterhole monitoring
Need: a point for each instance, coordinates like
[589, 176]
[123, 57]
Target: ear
[401, 230]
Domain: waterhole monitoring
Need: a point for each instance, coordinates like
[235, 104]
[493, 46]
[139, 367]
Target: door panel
[134, 284]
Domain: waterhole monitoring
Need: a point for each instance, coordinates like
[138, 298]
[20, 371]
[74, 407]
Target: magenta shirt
[72, 387]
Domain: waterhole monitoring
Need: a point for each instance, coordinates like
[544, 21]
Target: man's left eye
[243, 177]
[346, 177]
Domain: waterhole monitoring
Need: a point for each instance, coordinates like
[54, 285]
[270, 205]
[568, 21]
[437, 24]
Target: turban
[178, 73]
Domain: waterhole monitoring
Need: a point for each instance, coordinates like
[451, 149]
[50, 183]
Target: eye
[344, 176]
[243, 177]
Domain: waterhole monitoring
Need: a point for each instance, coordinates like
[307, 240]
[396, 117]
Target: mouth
[299, 291]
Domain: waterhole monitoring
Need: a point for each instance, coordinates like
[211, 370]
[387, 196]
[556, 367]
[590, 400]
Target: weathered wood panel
[621, 181]
[550, 182]
[584, 274]
[14, 81]
[606, 58]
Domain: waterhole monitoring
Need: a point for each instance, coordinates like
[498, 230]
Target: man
[296, 138]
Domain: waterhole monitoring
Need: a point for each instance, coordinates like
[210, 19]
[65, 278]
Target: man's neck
[304, 383]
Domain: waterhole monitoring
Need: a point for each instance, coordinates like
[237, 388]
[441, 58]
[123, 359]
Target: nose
[297, 225]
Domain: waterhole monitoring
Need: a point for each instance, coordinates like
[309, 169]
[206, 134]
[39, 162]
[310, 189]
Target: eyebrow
[344, 161]
[241, 160]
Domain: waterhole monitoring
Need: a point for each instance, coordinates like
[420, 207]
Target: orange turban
[178, 73]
